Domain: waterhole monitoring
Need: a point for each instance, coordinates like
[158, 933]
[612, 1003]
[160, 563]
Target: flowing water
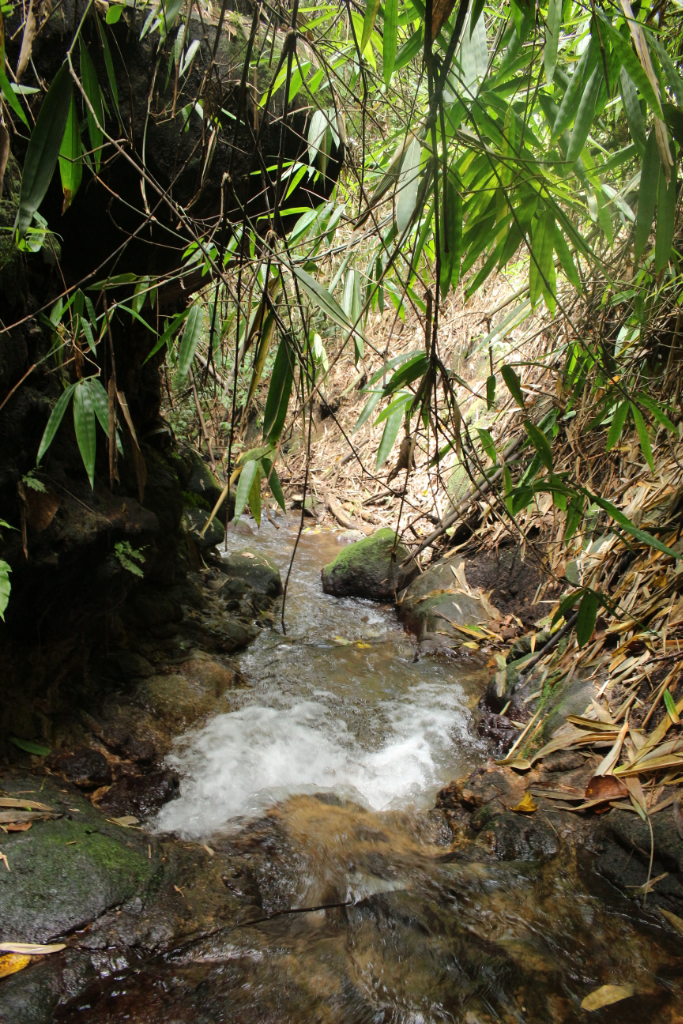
[318, 780]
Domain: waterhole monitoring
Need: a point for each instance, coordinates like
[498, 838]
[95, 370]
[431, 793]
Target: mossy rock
[65, 873]
[369, 569]
[193, 522]
[435, 603]
[254, 570]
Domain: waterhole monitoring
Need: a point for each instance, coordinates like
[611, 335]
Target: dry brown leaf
[610, 760]
[125, 821]
[526, 805]
[26, 805]
[30, 29]
[16, 826]
[605, 787]
[12, 963]
[606, 995]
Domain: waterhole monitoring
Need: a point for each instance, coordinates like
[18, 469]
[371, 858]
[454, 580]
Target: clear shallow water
[338, 704]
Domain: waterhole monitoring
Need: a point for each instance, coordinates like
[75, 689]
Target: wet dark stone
[125, 665]
[140, 795]
[512, 836]
[254, 571]
[499, 729]
[154, 608]
[85, 768]
[563, 761]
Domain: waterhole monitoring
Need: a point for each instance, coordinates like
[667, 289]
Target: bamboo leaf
[574, 91]
[391, 429]
[11, 97]
[244, 484]
[255, 494]
[55, 419]
[274, 482]
[320, 295]
[656, 411]
[565, 257]
[84, 423]
[390, 36]
[70, 161]
[513, 384]
[552, 38]
[626, 524]
[100, 402]
[588, 613]
[643, 435]
[647, 195]
[5, 587]
[406, 193]
[92, 90]
[279, 391]
[368, 23]
[190, 339]
[490, 391]
[617, 425]
[43, 148]
[634, 115]
[368, 410]
[540, 443]
[666, 220]
[488, 444]
[410, 371]
[585, 115]
[109, 64]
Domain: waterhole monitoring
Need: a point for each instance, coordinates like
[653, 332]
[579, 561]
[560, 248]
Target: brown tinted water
[318, 781]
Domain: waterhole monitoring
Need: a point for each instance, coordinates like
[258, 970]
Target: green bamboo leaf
[109, 64]
[588, 613]
[552, 38]
[626, 524]
[43, 148]
[513, 384]
[410, 371]
[488, 444]
[273, 479]
[666, 220]
[410, 49]
[540, 443]
[490, 391]
[244, 484]
[643, 435]
[634, 115]
[5, 587]
[630, 61]
[368, 23]
[450, 237]
[574, 516]
[168, 333]
[647, 195]
[190, 339]
[100, 402]
[389, 40]
[70, 159]
[406, 193]
[84, 423]
[585, 115]
[391, 429]
[673, 79]
[29, 747]
[113, 14]
[278, 394]
[565, 257]
[537, 247]
[55, 419]
[574, 91]
[368, 410]
[255, 494]
[11, 97]
[617, 425]
[320, 295]
[656, 411]
[94, 94]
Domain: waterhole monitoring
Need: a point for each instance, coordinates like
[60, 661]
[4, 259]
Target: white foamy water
[340, 705]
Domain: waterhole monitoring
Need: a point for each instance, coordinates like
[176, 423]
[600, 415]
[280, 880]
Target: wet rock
[436, 600]
[124, 665]
[563, 761]
[140, 795]
[367, 569]
[65, 873]
[522, 646]
[197, 478]
[499, 729]
[86, 768]
[153, 608]
[255, 571]
[194, 521]
[500, 691]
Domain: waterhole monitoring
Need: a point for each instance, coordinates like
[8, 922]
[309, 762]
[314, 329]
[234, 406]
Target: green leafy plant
[129, 558]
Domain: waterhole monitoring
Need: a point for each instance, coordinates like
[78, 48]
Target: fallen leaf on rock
[647, 887]
[605, 787]
[674, 921]
[12, 817]
[526, 805]
[521, 764]
[16, 826]
[27, 805]
[12, 963]
[32, 948]
[125, 821]
[363, 646]
[29, 747]
[606, 995]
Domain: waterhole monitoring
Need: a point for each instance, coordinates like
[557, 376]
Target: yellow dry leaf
[12, 963]
[526, 805]
[32, 948]
[606, 995]
[363, 645]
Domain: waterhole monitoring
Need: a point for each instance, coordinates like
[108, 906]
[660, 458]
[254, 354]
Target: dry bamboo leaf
[635, 791]
[13, 962]
[589, 723]
[610, 760]
[26, 805]
[12, 816]
[606, 995]
[522, 764]
[125, 821]
[31, 948]
[676, 922]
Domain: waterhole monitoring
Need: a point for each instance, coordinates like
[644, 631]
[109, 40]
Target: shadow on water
[315, 787]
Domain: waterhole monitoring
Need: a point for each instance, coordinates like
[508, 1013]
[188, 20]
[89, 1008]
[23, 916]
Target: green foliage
[129, 558]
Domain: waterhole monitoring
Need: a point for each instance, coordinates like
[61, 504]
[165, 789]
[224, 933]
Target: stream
[319, 779]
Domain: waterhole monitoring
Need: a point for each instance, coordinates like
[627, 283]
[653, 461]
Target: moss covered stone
[369, 568]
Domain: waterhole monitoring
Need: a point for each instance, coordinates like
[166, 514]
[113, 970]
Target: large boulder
[440, 600]
[369, 568]
[247, 571]
[194, 521]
